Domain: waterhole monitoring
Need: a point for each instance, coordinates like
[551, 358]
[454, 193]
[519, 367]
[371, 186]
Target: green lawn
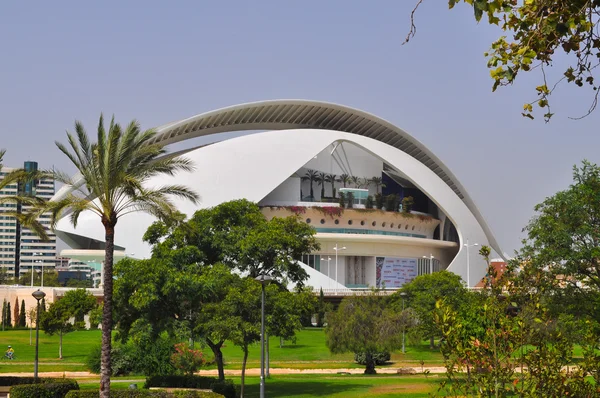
[309, 352]
[304, 386]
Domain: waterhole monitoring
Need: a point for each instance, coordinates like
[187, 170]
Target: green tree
[322, 180]
[95, 317]
[537, 33]
[344, 179]
[8, 321]
[364, 325]
[16, 312]
[321, 309]
[560, 253]
[111, 182]
[378, 182]
[43, 305]
[79, 303]
[56, 320]
[244, 316]
[50, 278]
[311, 176]
[3, 313]
[423, 292]
[22, 320]
[5, 278]
[332, 179]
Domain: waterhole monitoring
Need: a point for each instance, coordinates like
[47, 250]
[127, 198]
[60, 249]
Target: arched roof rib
[280, 115]
[295, 114]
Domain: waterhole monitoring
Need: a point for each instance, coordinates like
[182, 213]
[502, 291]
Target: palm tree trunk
[107, 281]
[243, 371]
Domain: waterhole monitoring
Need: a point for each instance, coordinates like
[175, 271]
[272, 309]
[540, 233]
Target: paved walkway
[249, 372]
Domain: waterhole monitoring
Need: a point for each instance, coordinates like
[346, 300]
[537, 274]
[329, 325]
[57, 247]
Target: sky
[159, 61]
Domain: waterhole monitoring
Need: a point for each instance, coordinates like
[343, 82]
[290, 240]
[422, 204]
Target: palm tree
[378, 182]
[344, 179]
[321, 181]
[332, 179]
[311, 176]
[356, 181]
[111, 183]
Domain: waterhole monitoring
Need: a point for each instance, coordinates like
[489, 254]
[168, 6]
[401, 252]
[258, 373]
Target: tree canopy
[424, 291]
[364, 324]
[538, 32]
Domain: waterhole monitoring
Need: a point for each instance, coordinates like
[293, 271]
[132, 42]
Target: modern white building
[281, 168]
[21, 250]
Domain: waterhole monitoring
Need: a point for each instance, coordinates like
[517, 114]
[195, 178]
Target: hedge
[144, 394]
[202, 382]
[225, 387]
[44, 390]
[7, 381]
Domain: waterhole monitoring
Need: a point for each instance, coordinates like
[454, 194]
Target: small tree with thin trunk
[364, 325]
[56, 320]
[112, 182]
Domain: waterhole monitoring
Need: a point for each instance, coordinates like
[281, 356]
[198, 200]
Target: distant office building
[21, 250]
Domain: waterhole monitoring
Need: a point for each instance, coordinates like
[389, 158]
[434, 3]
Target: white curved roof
[295, 114]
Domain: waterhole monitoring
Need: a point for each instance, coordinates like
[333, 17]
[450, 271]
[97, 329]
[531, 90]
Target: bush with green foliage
[370, 202]
[203, 382]
[55, 389]
[391, 202]
[407, 204]
[145, 393]
[380, 358]
[224, 387]
[7, 381]
[119, 394]
[379, 201]
[350, 200]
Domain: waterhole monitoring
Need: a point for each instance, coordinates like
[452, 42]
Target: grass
[309, 352]
[304, 386]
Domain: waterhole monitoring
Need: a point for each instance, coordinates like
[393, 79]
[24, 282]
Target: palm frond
[30, 220]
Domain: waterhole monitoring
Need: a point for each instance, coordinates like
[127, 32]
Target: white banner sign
[395, 272]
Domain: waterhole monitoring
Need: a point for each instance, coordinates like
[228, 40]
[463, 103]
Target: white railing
[355, 292]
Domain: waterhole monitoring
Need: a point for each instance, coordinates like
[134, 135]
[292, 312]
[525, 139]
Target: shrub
[379, 357]
[370, 203]
[119, 394]
[407, 204]
[44, 390]
[379, 201]
[16, 380]
[144, 394]
[202, 382]
[122, 356]
[350, 200]
[187, 359]
[224, 387]
[391, 203]
[342, 200]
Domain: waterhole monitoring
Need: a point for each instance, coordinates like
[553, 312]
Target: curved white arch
[296, 114]
[252, 166]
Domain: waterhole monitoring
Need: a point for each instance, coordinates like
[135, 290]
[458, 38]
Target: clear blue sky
[160, 61]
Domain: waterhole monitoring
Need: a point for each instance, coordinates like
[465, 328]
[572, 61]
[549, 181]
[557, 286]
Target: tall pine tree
[42, 306]
[16, 312]
[22, 320]
[8, 321]
[3, 320]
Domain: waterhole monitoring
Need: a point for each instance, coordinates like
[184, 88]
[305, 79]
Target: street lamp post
[468, 262]
[263, 279]
[328, 259]
[403, 295]
[337, 249]
[38, 295]
[430, 263]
